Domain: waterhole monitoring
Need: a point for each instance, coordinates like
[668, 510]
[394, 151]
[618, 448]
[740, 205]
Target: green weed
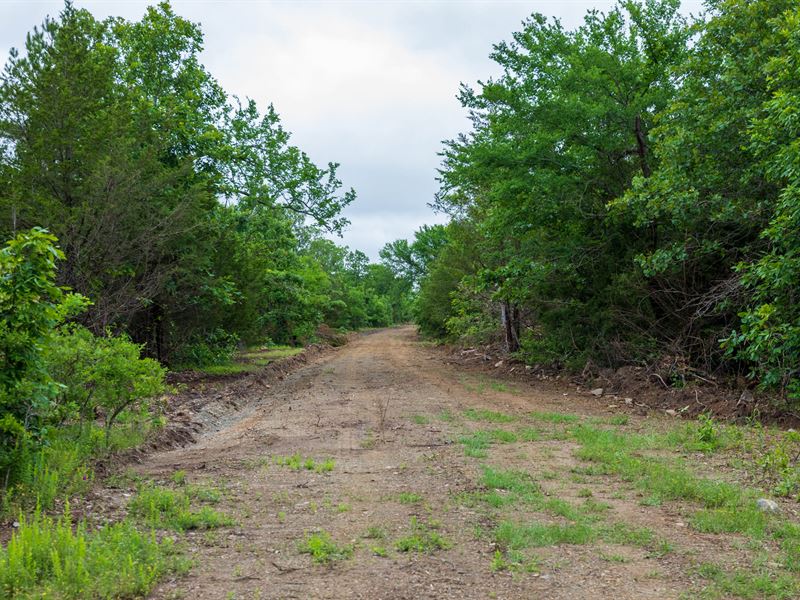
[296, 462]
[423, 538]
[203, 494]
[446, 416]
[375, 532]
[162, 508]
[475, 445]
[502, 436]
[53, 559]
[408, 498]
[529, 434]
[518, 536]
[514, 562]
[751, 583]
[488, 416]
[323, 549]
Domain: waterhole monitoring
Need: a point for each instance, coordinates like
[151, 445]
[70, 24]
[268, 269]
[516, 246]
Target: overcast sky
[369, 84]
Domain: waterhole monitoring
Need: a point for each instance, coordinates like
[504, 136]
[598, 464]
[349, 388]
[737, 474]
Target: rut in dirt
[378, 453]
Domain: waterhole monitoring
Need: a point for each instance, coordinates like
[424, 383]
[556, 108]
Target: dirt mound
[330, 336]
[204, 401]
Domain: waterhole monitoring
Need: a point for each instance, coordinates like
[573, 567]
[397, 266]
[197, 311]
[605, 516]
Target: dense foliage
[185, 215]
[629, 192]
[149, 214]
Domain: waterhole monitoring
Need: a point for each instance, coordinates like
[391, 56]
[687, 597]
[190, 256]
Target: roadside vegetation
[627, 194]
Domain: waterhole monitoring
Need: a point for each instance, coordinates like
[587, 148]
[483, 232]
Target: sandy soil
[375, 407]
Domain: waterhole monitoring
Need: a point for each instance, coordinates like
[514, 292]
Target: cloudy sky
[370, 84]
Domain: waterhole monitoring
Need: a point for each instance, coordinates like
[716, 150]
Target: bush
[55, 378]
[213, 348]
[29, 309]
[100, 373]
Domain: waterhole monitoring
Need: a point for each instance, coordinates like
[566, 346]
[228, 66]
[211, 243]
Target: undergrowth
[162, 508]
[48, 558]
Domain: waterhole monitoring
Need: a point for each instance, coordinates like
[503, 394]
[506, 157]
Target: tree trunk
[509, 315]
[641, 140]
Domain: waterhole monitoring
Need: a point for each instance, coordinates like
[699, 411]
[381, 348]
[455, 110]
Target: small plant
[475, 445]
[614, 558]
[529, 434]
[179, 477]
[162, 508]
[446, 416]
[707, 432]
[205, 494]
[423, 538]
[420, 419]
[326, 466]
[323, 549]
[408, 498]
[502, 436]
[513, 562]
[296, 462]
[779, 465]
[379, 551]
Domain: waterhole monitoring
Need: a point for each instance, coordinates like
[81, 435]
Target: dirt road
[397, 421]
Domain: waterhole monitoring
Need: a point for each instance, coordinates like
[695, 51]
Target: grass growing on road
[409, 498]
[323, 549]
[489, 416]
[423, 538]
[162, 508]
[296, 462]
[658, 465]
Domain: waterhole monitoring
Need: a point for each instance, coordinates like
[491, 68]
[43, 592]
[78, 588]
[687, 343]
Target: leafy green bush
[100, 373]
[29, 310]
[57, 379]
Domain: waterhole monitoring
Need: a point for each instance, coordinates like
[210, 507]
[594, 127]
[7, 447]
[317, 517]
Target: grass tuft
[488, 416]
[323, 549]
[162, 508]
[423, 538]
